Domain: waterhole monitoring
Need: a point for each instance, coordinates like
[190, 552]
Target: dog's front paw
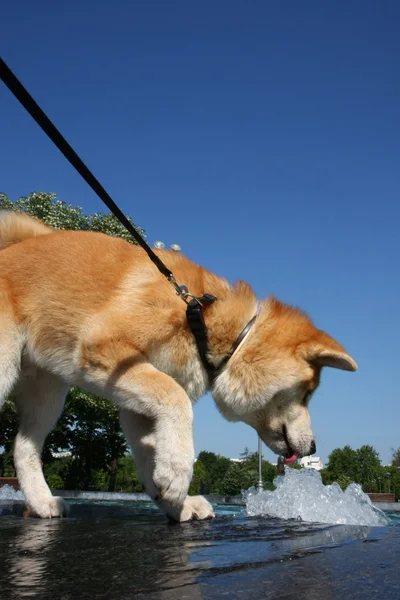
[52, 506]
[196, 508]
[172, 476]
[193, 508]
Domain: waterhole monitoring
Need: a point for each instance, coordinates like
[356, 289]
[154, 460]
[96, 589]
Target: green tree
[342, 461]
[199, 478]
[55, 482]
[216, 467]
[127, 476]
[8, 425]
[232, 483]
[90, 430]
[58, 468]
[220, 475]
[249, 468]
[391, 478]
[100, 480]
[6, 464]
[346, 465]
[396, 457]
[368, 467]
[89, 426]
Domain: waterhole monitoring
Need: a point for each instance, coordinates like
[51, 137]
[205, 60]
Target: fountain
[302, 495]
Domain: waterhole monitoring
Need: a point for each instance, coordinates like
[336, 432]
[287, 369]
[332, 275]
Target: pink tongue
[291, 459]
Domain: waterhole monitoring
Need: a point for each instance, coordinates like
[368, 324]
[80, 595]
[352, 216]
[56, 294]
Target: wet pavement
[106, 551]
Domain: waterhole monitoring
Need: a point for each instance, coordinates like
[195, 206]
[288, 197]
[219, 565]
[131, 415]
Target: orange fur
[88, 309]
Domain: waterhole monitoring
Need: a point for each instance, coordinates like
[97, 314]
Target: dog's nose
[313, 447]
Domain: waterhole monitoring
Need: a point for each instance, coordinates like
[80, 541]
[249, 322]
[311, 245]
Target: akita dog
[87, 309]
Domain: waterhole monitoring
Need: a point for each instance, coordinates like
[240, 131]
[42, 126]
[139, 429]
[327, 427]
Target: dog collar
[197, 325]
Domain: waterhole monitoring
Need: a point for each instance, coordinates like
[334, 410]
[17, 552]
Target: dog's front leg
[143, 390]
[141, 433]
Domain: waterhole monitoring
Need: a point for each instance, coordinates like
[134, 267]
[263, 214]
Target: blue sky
[263, 137]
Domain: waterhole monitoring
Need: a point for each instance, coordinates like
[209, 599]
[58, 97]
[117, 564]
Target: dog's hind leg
[11, 343]
[140, 433]
[40, 399]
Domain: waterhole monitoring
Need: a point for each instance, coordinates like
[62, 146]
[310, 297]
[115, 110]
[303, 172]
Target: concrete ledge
[217, 499]
[136, 497]
[390, 506]
[102, 496]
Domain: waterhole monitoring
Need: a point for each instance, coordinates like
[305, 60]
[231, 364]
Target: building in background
[312, 462]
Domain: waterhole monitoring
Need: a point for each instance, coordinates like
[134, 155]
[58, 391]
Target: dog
[86, 309]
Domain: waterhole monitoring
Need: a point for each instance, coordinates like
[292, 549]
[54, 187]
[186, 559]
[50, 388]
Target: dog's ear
[332, 358]
[324, 351]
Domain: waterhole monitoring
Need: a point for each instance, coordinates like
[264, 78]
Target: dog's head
[269, 381]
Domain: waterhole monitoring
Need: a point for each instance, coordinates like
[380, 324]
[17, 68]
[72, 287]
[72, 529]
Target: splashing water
[7, 492]
[301, 495]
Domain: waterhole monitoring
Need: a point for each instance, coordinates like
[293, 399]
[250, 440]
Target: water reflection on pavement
[101, 552]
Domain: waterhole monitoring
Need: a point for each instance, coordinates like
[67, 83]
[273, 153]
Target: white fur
[165, 470]
[40, 398]
[192, 377]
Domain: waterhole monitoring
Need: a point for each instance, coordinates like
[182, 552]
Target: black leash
[16, 87]
[194, 311]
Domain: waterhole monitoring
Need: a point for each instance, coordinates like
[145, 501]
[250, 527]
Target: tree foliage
[199, 478]
[396, 458]
[363, 466]
[215, 468]
[220, 475]
[233, 481]
[60, 215]
[89, 429]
